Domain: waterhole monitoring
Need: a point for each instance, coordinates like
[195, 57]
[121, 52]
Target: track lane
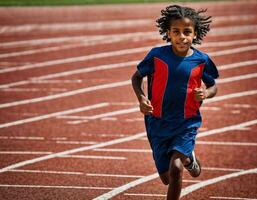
[219, 122]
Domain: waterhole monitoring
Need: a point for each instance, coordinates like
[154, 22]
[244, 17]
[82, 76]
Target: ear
[195, 35]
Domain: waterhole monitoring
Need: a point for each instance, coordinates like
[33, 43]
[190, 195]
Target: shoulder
[201, 55]
[159, 50]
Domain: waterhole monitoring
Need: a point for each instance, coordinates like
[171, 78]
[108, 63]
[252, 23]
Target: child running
[175, 93]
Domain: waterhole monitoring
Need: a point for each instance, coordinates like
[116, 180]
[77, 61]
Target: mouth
[182, 44]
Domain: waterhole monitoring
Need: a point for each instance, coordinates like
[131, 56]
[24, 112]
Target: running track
[69, 121]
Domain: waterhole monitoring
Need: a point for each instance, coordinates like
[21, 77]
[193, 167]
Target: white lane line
[237, 78]
[46, 172]
[143, 195]
[75, 142]
[233, 51]
[241, 105]
[26, 152]
[232, 198]
[55, 114]
[229, 30]
[55, 187]
[34, 90]
[94, 157]
[101, 25]
[92, 40]
[104, 144]
[222, 169]
[66, 94]
[68, 152]
[77, 59]
[132, 176]
[104, 134]
[82, 43]
[136, 109]
[56, 81]
[139, 181]
[108, 114]
[72, 72]
[111, 54]
[197, 186]
[21, 138]
[115, 175]
[248, 144]
[93, 88]
[226, 129]
[230, 96]
[120, 189]
[227, 43]
[141, 37]
[125, 150]
[211, 108]
[236, 65]
[123, 188]
[107, 67]
[61, 156]
[33, 119]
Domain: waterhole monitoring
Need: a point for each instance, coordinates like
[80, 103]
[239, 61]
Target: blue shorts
[163, 140]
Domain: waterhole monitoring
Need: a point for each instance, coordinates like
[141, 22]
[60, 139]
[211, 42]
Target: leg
[175, 175]
[165, 178]
[166, 175]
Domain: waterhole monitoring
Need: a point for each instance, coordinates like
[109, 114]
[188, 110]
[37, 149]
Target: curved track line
[129, 185]
[205, 183]
[73, 72]
[150, 177]
[116, 141]
[50, 115]
[111, 54]
[102, 25]
[84, 90]
[243, 29]
[64, 153]
[118, 39]
[107, 67]
[66, 94]
[37, 118]
[76, 59]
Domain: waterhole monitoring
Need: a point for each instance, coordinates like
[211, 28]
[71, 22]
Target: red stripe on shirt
[160, 78]
[191, 105]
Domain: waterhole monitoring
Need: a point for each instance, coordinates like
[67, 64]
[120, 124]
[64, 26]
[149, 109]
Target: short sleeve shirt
[171, 83]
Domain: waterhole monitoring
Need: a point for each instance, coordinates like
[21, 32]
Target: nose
[182, 36]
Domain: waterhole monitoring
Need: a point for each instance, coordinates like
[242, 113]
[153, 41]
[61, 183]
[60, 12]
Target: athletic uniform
[171, 82]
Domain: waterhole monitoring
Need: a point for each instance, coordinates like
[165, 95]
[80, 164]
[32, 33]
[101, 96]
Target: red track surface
[35, 135]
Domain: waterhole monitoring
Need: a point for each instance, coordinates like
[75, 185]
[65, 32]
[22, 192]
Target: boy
[175, 73]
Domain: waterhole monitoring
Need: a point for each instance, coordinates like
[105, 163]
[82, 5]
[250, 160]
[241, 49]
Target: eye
[175, 32]
[187, 32]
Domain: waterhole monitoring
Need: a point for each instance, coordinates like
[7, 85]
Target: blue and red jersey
[171, 83]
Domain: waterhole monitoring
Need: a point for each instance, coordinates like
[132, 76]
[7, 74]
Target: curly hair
[174, 12]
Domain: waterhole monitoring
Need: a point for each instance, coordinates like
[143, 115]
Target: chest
[178, 71]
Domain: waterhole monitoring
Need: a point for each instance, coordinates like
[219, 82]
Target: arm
[202, 93]
[144, 103]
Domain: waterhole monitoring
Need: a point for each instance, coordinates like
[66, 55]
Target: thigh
[183, 144]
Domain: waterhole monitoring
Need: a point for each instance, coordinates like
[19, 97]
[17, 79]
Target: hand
[145, 106]
[200, 94]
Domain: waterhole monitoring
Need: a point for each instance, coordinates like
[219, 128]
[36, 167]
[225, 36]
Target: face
[182, 34]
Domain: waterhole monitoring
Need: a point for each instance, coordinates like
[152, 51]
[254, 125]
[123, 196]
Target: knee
[165, 178]
[176, 170]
